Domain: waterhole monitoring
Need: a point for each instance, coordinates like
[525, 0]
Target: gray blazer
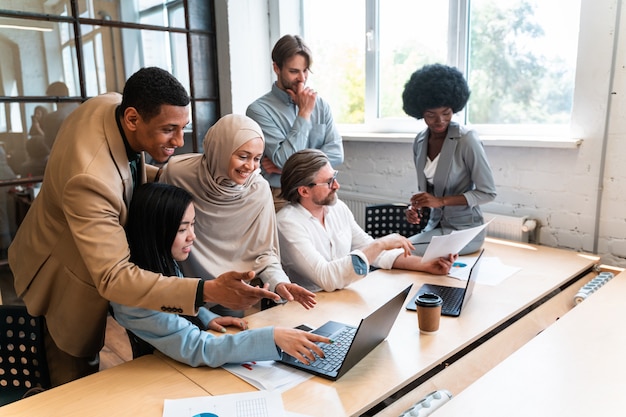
[462, 169]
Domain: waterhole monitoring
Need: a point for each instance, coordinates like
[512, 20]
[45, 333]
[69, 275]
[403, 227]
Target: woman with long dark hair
[160, 232]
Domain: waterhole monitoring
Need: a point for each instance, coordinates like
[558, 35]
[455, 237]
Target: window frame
[458, 38]
[202, 64]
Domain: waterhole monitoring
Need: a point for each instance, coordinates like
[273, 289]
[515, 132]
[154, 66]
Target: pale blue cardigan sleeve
[183, 341]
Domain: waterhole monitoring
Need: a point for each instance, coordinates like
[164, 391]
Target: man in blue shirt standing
[292, 116]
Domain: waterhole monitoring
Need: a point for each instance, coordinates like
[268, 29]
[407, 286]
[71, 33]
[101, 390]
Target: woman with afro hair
[453, 175]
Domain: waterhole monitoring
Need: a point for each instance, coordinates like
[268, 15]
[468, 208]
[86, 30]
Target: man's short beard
[331, 199]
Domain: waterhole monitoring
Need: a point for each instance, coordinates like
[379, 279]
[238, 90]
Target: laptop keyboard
[451, 298]
[335, 352]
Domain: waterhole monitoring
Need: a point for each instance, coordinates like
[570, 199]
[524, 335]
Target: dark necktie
[134, 172]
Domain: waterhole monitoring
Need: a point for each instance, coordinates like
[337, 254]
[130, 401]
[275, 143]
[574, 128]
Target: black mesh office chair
[383, 219]
[23, 364]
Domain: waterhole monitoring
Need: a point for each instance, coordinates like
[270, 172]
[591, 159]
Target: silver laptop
[351, 344]
[454, 298]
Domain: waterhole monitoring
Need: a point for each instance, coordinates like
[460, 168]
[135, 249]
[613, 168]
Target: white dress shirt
[319, 257]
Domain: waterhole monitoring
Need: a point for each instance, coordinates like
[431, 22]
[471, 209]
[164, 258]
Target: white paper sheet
[492, 270]
[248, 404]
[444, 245]
[268, 375]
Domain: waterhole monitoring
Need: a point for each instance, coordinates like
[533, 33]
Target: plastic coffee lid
[428, 300]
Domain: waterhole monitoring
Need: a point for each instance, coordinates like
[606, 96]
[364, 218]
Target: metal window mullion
[372, 71]
[458, 33]
[458, 38]
[78, 39]
[195, 135]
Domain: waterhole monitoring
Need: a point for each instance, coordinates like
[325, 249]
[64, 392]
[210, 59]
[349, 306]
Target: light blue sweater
[183, 341]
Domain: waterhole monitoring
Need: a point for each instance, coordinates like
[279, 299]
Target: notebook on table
[454, 298]
[351, 343]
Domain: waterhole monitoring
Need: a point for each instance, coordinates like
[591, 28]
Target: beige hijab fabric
[235, 224]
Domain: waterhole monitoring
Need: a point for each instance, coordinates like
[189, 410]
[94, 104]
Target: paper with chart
[444, 245]
[492, 270]
[248, 404]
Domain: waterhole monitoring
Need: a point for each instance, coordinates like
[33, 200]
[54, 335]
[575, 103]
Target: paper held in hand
[444, 245]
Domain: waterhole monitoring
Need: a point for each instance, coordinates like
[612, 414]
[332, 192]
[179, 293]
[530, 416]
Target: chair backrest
[384, 219]
[139, 346]
[23, 364]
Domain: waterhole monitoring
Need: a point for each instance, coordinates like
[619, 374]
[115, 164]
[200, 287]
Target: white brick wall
[559, 187]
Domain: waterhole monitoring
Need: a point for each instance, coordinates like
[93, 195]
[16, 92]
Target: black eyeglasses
[328, 183]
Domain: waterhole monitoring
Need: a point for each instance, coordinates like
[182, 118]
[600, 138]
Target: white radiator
[357, 203]
[509, 227]
[518, 228]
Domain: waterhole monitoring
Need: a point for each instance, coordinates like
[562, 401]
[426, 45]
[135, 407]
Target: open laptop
[353, 343]
[454, 298]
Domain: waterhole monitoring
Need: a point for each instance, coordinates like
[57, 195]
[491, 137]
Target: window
[518, 57]
[92, 47]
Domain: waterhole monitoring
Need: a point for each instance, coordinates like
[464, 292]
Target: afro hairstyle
[434, 86]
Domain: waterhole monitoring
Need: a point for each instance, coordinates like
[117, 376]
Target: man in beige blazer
[70, 255]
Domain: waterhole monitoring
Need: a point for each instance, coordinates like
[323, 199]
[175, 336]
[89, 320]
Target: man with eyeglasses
[292, 115]
[321, 245]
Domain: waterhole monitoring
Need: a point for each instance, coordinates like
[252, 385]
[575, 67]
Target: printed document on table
[444, 245]
[248, 404]
[492, 270]
[268, 375]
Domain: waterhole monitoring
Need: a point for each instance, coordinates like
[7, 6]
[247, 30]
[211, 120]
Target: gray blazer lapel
[421, 143]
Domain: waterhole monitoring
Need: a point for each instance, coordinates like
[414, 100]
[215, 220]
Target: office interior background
[556, 157]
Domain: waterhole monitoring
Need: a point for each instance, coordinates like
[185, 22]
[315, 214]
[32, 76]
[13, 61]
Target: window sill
[488, 140]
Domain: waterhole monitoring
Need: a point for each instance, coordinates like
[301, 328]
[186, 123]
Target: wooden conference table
[135, 388]
[574, 368]
[406, 356]
[404, 361]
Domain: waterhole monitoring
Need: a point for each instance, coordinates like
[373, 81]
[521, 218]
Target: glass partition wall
[55, 54]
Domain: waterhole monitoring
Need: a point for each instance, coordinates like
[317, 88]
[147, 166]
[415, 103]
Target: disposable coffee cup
[428, 312]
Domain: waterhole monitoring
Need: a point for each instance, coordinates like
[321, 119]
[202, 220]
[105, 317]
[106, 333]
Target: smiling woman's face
[245, 160]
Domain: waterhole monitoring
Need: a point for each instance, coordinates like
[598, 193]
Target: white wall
[612, 213]
[246, 33]
[244, 64]
[578, 194]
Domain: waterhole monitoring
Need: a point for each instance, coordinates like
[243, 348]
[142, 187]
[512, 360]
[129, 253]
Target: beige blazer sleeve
[70, 255]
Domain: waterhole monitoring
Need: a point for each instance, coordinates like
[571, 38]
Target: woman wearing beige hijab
[235, 217]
